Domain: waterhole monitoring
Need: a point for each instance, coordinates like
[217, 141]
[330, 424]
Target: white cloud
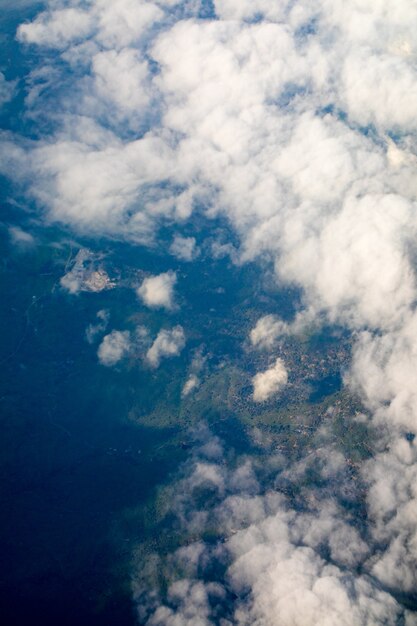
[357, 267]
[115, 24]
[20, 237]
[274, 554]
[114, 347]
[167, 344]
[124, 22]
[184, 248]
[296, 587]
[157, 292]
[190, 384]
[121, 80]
[191, 600]
[56, 29]
[260, 118]
[267, 330]
[267, 384]
[72, 280]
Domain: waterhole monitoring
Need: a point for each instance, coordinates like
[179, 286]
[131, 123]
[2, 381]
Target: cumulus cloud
[167, 344]
[120, 80]
[157, 292]
[296, 121]
[267, 384]
[297, 587]
[267, 330]
[114, 24]
[114, 347]
[57, 28]
[274, 553]
[190, 384]
[184, 248]
[191, 605]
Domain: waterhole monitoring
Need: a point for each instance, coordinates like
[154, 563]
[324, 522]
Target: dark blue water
[325, 386]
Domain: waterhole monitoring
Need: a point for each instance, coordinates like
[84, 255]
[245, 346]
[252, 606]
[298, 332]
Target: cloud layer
[295, 121]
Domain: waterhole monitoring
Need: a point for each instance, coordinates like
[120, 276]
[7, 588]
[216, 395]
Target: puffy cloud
[191, 600]
[58, 28]
[124, 22]
[357, 267]
[114, 24]
[120, 79]
[157, 292]
[190, 384]
[296, 121]
[114, 347]
[274, 554]
[296, 587]
[93, 186]
[268, 383]
[184, 248]
[392, 501]
[372, 90]
[167, 344]
[383, 371]
[267, 330]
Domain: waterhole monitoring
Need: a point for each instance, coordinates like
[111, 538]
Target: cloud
[295, 586]
[7, 89]
[296, 122]
[56, 29]
[157, 292]
[267, 330]
[267, 384]
[196, 369]
[292, 566]
[93, 330]
[114, 24]
[191, 602]
[167, 344]
[120, 80]
[184, 248]
[357, 268]
[20, 237]
[190, 384]
[114, 347]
